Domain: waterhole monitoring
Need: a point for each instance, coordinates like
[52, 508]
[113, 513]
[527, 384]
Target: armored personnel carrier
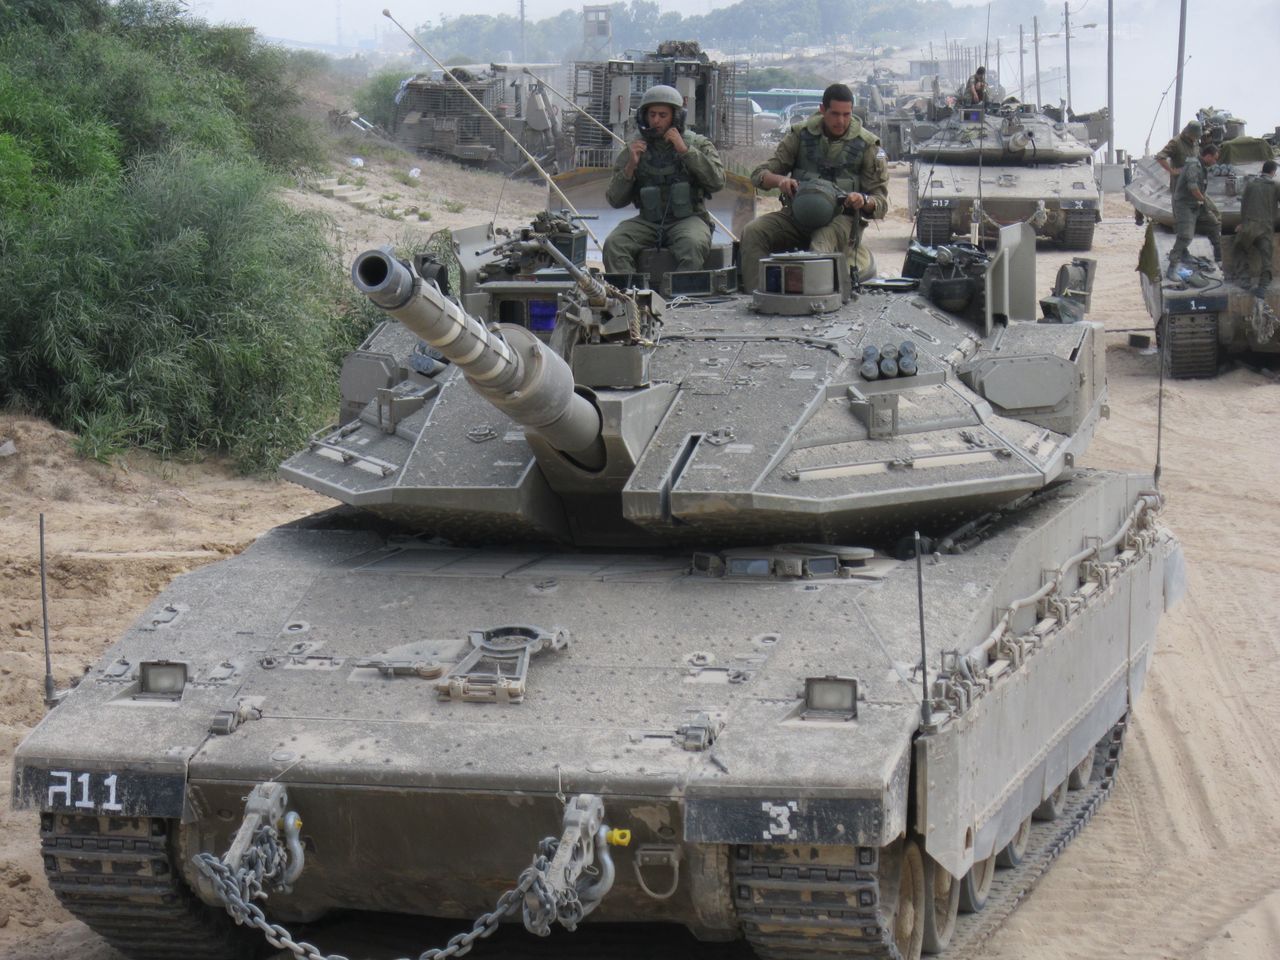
[787, 617]
[992, 165]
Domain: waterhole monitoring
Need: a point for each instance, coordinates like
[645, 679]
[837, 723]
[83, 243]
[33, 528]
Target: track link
[1192, 348]
[118, 875]
[1077, 231]
[933, 226]
[797, 903]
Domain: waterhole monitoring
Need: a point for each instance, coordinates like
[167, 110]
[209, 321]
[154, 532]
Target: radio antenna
[926, 714]
[49, 698]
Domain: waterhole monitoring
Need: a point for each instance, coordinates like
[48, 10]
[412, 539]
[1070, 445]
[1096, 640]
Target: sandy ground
[1180, 864]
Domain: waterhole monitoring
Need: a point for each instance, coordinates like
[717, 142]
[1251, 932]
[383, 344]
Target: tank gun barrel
[513, 370]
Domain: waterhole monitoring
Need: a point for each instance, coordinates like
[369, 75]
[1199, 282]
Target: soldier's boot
[1171, 274]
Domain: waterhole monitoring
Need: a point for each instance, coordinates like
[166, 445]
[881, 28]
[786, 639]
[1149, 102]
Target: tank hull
[472, 787]
[942, 197]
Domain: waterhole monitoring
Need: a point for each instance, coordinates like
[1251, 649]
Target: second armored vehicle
[789, 618]
[990, 166]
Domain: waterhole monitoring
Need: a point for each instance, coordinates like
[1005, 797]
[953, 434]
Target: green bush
[185, 306]
[376, 100]
[157, 289]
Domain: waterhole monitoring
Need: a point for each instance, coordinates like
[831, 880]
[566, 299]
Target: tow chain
[251, 869]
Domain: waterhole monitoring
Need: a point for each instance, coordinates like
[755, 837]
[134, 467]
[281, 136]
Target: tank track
[1077, 230]
[933, 226]
[1192, 350]
[792, 907]
[119, 876]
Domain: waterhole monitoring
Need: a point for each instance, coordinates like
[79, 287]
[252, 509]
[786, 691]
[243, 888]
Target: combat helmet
[1193, 129]
[661, 93]
[815, 204]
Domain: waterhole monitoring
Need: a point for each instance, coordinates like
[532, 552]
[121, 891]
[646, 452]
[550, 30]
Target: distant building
[597, 30]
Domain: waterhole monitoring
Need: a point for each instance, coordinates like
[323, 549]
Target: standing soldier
[1192, 211]
[1254, 249]
[831, 148]
[668, 173]
[1175, 153]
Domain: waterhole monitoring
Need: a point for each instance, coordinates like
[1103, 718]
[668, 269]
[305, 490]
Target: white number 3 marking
[779, 819]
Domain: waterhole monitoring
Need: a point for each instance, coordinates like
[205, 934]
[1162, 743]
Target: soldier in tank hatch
[1193, 212]
[975, 91]
[1254, 248]
[667, 173]
[829, 153]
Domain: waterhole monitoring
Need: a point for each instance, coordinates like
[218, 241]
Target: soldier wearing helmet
[667, 173]
[828, 154]
[1175, 153]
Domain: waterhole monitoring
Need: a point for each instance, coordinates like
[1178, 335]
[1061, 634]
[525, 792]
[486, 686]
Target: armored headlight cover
[162, 679]
[830, 698]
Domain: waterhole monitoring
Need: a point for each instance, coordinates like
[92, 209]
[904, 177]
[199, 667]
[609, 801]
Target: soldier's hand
[787, 186]
[637, 147]
[673, 137]
[855, 201]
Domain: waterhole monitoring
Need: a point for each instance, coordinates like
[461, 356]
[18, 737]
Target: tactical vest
[665, 191]
[1258, 203]
[844, 170]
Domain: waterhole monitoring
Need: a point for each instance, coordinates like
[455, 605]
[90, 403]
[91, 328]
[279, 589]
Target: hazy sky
[1232, 46]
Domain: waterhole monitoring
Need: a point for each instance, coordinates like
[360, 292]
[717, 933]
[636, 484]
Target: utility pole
[1111, 87]
[1035, 33]
[524, 54]
[1182, 52]
[998, 70]
[1066, 22]
[1022, 71]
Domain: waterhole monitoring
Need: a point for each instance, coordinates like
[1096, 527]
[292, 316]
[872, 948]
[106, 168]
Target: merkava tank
[1208, 316]
[788, 617]
[997, 164]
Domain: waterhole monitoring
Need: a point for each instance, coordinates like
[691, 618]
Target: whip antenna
[926, 714]
[507, 133]
[49, 698]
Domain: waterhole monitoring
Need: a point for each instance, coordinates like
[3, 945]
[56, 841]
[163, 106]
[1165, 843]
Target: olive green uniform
[854, 162]
[1191, 216]
[669, 189]
[1177, 151]
[1255, 237]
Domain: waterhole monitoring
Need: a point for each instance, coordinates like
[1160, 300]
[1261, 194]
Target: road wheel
[1079, 778]
[941, 905]
[1016, 848]
[975, 888]
[1051, 808]
[909, 914]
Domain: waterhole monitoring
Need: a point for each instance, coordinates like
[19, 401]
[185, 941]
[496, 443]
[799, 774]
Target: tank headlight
[161, 678]
[831, 698]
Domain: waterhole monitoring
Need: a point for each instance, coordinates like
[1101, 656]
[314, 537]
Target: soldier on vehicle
[1193, 212]
[1255, 237]
[975, 91]
[1175, 153]
[667, 173]
[830, 160]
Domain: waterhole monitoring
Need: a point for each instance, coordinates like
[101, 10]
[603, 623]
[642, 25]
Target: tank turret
[615, 418]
